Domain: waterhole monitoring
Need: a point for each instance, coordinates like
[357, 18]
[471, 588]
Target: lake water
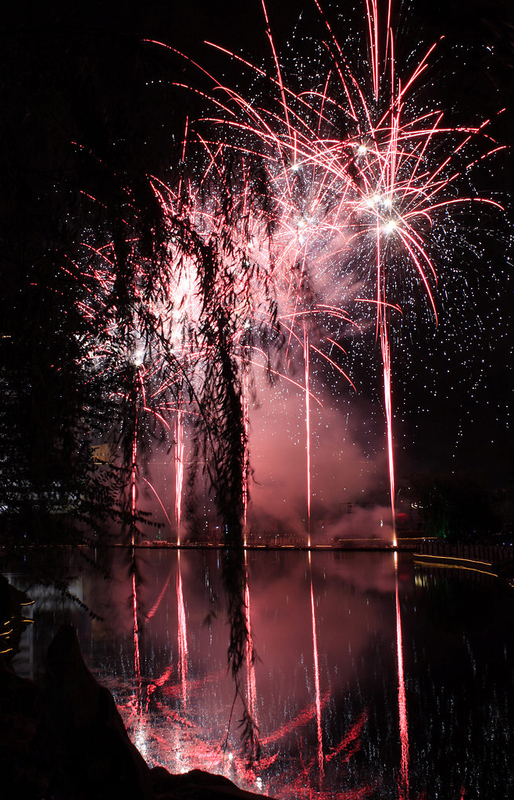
[373, 677]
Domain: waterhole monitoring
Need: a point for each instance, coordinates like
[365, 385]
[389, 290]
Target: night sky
[80, 72]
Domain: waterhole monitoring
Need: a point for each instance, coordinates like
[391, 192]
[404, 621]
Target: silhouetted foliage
[455, 508]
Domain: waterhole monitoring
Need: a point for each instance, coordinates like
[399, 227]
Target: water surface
[372, 678]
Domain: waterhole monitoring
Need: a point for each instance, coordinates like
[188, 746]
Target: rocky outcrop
[64, 739]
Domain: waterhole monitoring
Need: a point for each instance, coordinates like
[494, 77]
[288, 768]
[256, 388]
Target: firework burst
[359, 181]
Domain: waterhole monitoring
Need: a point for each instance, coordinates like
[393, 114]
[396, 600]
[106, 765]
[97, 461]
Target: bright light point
[295, 167]
[138, 357]
[390, 226]
[373, 201]
[362, 150]
[379, 200]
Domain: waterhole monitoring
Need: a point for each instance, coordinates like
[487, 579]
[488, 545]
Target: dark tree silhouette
[92, 241]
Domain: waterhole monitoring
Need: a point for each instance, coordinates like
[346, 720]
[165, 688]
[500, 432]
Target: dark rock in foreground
[65, 740]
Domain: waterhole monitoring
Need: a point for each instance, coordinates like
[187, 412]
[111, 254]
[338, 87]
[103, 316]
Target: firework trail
[251, 684]
[182, 634]
[362, 205]
[403, 778]
[315, 653]
[307, 431]
[179, 471]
